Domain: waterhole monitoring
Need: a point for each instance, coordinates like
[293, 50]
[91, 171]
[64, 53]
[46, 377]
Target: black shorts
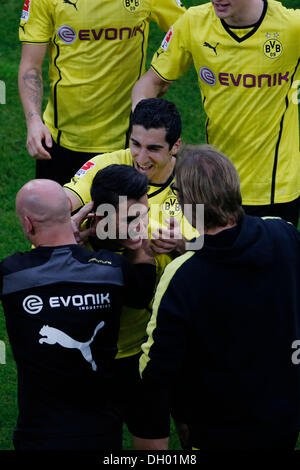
[288, 211]
[63, 165]
[143, 417]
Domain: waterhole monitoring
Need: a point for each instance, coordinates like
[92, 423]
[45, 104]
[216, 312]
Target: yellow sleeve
[173, 58]
[162, 260]
[36, 22]
[81, 182]
[295, 25]
[166, 13]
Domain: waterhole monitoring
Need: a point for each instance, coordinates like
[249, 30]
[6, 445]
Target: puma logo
[72, 3]
[22, 27]
[53, 335]
[206, 44]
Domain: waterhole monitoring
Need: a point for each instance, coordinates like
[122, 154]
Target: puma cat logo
[72, 3]
[53, 335]
[206, 44]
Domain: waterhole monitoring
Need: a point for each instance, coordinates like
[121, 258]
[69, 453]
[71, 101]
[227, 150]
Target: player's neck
[54, 237]
[247, 16]
[165, 173]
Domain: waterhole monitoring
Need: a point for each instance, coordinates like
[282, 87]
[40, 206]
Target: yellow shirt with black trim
[163, 202]
[133, 321]
[97, 51]
[248, 82]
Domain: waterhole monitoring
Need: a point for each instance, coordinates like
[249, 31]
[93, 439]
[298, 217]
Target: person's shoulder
[87, 172]
[178, 266]
[10, 262]
[201, 11]
[276, 227]
[102, 257]
[284, 13]
[24, 260]
[122, 156]
[279, 223]
[118, 156]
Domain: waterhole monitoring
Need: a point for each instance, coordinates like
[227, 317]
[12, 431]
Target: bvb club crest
[171, 207]
[132, 5]
[273, 48]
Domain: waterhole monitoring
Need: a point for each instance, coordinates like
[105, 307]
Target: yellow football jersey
[248, 83]
[97, 51]
[133, 321]
[163, 202]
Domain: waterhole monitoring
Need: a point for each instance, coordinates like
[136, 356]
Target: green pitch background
[17, 167]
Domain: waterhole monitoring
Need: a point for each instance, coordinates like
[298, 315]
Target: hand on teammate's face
[167, 240]
[77, 220]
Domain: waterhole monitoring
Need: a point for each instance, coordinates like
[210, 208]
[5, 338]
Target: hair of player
[117, 180]
[206, 176]
[157, 113]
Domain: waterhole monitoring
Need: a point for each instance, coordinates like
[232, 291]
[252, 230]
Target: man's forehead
[150, 135]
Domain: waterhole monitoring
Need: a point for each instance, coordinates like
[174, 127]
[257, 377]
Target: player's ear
[175, 147]
[28, 226]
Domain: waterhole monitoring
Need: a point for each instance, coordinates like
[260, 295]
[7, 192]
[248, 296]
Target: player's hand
[37, 132]
[144, 254]
[77, 221]
[163, 89]
[167, 240]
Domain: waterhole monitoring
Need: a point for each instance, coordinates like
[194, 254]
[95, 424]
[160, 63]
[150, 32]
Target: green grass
[17, 167]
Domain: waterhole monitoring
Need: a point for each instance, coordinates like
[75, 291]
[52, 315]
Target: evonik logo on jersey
[33, 304]
[83, 302]
[244, 80]
[68, 35]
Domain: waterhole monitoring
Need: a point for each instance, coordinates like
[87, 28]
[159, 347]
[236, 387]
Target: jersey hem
[281, 200]
[54, 133]
[73, 191]
[34, 42]
[163, 78]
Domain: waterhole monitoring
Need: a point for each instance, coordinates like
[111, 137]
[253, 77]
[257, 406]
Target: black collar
[254, 26]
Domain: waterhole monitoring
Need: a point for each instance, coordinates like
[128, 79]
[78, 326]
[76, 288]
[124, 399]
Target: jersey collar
[229, 29]
[162, 186]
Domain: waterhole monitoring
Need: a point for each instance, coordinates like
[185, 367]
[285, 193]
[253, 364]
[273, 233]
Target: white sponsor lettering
[87, 301]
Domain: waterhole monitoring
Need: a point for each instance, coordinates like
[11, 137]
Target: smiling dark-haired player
[154, 143]
[246, 55]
